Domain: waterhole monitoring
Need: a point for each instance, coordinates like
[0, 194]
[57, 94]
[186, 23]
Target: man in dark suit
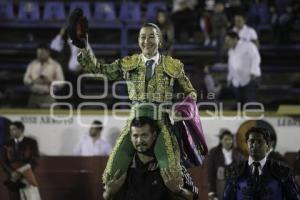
[19, 159]
[260, 178]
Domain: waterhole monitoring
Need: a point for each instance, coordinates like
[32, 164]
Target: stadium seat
[6, 11]
[281, 5]
[105, 11]
[259, 14]
[29, 11]
[54, 11]
[152, 9]
[130, 12]
[85, 6]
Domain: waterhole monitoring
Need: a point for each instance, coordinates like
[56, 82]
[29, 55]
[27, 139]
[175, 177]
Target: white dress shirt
[57, 44]
[155, 58]
[228, 156]
[243, 61]
[88, 147]
[261, 166]
[246, 33]
[50, 69]
[20, 139]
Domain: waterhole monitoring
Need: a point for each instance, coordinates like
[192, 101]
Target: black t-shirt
[143, 182]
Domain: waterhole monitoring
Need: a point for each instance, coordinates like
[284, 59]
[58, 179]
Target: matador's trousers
[166, 149]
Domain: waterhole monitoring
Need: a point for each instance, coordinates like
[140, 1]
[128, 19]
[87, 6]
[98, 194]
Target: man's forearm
[90, 64]
[87, 61]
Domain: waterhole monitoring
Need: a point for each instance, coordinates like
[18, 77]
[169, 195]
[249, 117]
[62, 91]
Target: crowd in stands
[213, 17]
[192, 26]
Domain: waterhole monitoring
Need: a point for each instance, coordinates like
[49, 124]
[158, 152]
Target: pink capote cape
[192, 135]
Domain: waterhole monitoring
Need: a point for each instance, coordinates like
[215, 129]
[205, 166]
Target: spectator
[58, 44]
[282, 24]
[212, 85]
[219, 25]
[20, 159]
[167, 31]
[243, 68]
[39, 76]
[205, 25]
[183, 18]
[144, 179]
[233, 7]
[92, 144]
[297, 168]
[208, 5]
[245, 32]
[219, 158]
[259, 177]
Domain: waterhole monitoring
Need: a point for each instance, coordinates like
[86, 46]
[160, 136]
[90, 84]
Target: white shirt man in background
[39, 76]
[243, 67]
[91, 144]
[73, 69]
[57, 44]
[245, 32]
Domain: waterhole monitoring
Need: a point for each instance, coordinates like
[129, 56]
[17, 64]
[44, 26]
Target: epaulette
[129, 63]
[173, 67]
[279, 170]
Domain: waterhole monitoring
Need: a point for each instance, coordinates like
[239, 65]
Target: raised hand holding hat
[78, 28]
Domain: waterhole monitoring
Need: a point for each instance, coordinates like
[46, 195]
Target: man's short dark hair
[142, 121]
[225, 132]
[19, 125]
[155, 27]
[233, 35]
[98, 124]
[263, 131]
[151, 25]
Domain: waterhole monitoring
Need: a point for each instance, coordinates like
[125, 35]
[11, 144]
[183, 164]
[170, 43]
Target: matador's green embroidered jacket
[133, 70]
[159, 89]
